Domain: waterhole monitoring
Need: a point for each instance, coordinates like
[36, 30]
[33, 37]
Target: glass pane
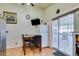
[55, 34]
[66, 26]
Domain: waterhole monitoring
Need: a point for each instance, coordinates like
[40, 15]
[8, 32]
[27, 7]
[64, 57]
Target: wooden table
[35, 38]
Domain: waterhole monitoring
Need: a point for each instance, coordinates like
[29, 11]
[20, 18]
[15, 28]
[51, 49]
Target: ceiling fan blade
[32, 4]
[22, 3]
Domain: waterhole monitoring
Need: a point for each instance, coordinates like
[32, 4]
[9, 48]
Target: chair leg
[24, 50]
[33, 50]
[40, 48]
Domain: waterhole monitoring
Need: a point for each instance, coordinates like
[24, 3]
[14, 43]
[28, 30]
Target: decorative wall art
[10, 17]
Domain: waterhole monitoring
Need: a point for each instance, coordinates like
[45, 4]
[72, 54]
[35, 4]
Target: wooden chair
[27, 42]
[77, 48]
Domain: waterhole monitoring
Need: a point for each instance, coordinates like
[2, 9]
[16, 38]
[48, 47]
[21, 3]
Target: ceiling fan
[28, 4]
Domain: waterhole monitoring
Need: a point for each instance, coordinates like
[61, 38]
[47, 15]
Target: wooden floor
[29, 52]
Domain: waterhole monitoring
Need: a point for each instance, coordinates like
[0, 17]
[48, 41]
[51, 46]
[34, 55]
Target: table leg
[24, 51]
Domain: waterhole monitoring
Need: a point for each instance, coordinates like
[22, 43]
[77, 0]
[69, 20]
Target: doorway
[2, 37]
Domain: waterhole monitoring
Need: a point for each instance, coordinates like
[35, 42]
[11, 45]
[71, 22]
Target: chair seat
[29, 44]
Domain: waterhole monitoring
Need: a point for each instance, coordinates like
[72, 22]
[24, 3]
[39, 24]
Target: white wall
[64, 7]
[50, 13]
[23, 25]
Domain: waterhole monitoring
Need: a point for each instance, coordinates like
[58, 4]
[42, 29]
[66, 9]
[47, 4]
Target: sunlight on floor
[29, 52]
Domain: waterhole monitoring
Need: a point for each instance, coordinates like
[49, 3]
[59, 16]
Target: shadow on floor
[57, 53]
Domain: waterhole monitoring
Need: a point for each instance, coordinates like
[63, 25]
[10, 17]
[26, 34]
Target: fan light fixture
[28, 3]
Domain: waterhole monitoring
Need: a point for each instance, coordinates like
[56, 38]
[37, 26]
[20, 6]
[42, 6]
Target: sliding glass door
[63, 29]
[70, 32]
[55, 34]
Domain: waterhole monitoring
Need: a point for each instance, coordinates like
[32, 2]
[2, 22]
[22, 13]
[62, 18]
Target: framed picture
[11, 18]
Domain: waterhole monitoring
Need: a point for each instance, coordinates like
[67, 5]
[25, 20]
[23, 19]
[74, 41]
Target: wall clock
[28, 16]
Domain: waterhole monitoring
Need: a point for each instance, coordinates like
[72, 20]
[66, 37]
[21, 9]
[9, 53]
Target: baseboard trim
[13, 48]
[46, 47]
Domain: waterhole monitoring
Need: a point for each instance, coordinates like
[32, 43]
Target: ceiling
[42, 5]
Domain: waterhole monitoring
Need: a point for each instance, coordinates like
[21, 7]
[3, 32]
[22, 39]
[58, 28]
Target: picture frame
[10, 17]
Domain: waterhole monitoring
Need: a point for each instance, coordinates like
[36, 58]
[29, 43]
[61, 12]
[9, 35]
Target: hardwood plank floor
[29, 52]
